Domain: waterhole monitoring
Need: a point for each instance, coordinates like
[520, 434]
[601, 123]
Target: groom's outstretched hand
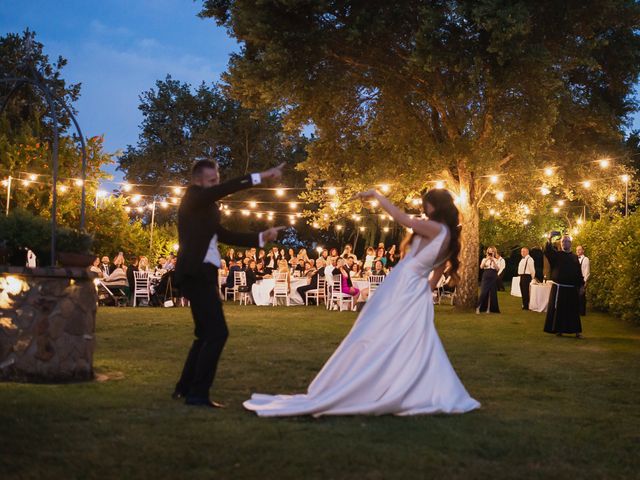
[274, 173]
[271, 234]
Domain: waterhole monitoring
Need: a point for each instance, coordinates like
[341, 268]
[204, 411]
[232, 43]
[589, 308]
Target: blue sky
[117, 49]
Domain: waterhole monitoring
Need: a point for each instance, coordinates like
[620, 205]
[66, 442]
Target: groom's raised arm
[201, 196]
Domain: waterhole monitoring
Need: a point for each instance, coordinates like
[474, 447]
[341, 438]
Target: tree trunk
[467, 289]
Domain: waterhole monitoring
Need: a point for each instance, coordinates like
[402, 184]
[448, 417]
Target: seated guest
[302, 255]
[252, 275]
[309, 270]
[319, 273]
[132, 268]
[170, 264]
[106, 266]
[160, 263]
[297, 268]
[272, 258]
[378, 269]
[143, 264]
[223, 267]
[347, 284]
[331, 269]
[239, 257]
[118, 279]
[245, 263]
[348, 252]
[260, 273]
[356, 269]
[333, 252]
[283, 267]
[233, 267]
[95, 267]
[283, 255]
[290, 255]
[231, 255]
[261, 255]
[324, 255]
[118, 261]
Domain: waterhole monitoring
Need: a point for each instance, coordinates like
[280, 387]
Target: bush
[21, 230]
[613, 247]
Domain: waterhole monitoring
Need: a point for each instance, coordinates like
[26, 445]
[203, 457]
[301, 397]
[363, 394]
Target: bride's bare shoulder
[426, 228]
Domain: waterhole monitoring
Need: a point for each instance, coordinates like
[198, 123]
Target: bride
[392, 360]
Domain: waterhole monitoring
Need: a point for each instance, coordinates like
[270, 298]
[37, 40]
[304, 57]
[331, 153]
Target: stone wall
[47, 324]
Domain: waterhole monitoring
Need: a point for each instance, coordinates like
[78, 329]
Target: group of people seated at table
[259, 264]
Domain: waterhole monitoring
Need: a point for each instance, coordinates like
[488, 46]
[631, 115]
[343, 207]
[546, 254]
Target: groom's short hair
[201, 165]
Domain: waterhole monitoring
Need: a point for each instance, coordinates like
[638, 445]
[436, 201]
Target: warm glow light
[416, 202]
[492, 211]
[127, 209]
[280, 192]
[135, 198]
[299, 215]
[293, 205]
[385, 229]
[545, 190]
[493, 178]
[26, 183]
[126, 187]
[245, 213]
[625, 178]
[174, 200]
[227, 213]
[526, 221]
[259, 214]
[13, 285]
[526, 209]
[333, 205]
[556, 209]
[33, 177]
[362, 229]
[164, 204]
[604, 163]
[561, 203]
[332, 191]
[579, 221]
[316, 225]
[253, 204]
[548, 171]
[269, 217]
[338, 227]
[586, 184]
[385, 188]
[612, 198]
[325, 216]
[292, 221]
[500, 196]
[176, 247]
[357, 218]
[78, 182]
[5, 183]
[140, 209]
[374, 203]
[63, 188]
[439, 184]
[177, 190]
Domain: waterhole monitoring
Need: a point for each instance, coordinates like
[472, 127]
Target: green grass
[551, 407]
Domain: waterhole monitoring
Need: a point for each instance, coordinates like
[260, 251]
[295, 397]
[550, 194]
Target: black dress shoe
[202, 402]
[176, 395]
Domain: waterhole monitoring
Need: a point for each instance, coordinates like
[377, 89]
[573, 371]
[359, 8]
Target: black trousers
[488, 291]
[304, 289]
[210, 331]
[525, 281]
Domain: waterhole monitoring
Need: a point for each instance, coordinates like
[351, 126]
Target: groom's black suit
[198, 222]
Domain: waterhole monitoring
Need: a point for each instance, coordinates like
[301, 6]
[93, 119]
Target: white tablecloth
[262, 288]
[539, 296]
[515, 286]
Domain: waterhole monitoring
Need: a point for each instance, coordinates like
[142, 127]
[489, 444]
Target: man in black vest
[196, 273]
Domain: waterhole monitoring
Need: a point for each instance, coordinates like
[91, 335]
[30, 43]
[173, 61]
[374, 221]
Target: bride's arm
[424, 228]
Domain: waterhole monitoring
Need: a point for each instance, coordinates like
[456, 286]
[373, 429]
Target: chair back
[282, 285]
[239, 278]
[376, 279]
[336, 283]
[321, 284]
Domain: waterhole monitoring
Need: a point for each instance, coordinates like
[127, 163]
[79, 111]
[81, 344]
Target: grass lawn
[551, 407]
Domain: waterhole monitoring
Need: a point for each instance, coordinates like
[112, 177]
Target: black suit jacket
[199, 221]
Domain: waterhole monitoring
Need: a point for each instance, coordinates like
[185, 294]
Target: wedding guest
[170, 264]
[333, 252]
[380, 255]
[296, 267]
[261, 255]
[239, 256]
[272, 260]
[585, 268]
[290, 255]
[252, 274]
[309, 270]
[348, 252]
[245, 263]
[488, 301]
[369, 258]
[230, 255]
[392, 257]
[526, 271]
[132, 268]
[313, 284]
[283, 267]
[260, 271]
[160, 263]
[501, 266]
[117, 279]
[324, 255]
[378, 269]
[356, 269]
[118, 261]
[347, 284]
[95, 267]
[233, 267]
[223, 267]
[106, 266]
[331, 269]
[302, 255]
[143, 264]
[563, 310]
[283, 255]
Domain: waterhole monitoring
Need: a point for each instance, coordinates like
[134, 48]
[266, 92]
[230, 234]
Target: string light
[561, 203]
[164, 204]
[174, 200]
[177, 190]
[493, 179]
[26, 183]
[500, 196]
[526, 221]
[176, 247]
[5, 183]
[135, 198]
[333, 205]
[280, 192]
[362, 229]
[316, 225]
[63, 188]
[245, 213]
[227, 213]
[126, 187]
[385, 188]
[338, 227]
[253, 204]
[612, 198]
[545, 190]
[373, 203]
[579, 221]
[586, 184]
[78, 182]
[492, 211]
[416, 202]
[332, 191]
[604, 163]
[33, 177]
[140, 209]
[259, 214]
[625, 178]
[127, 209]
[439, 184]
[548, 171]
[293, 205]
[556, 209]
[385, 229]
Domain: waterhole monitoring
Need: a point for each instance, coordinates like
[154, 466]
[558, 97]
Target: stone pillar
[47, 324]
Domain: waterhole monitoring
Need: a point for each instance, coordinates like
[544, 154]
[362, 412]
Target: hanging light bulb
[126, 187]
[140, 209]
[579, 221]
[325, 216]
[492, 211]
[384, 188]
[362, 229]
[259, 214]
[561, 203]
[604, 163]
[26, 183]
[164, 204]
[385, 229]
[545, 190]
[338, 227]
[332, 191]
[293, 205]
[334, 205]
[500, 196]
[493, 179]
[253, 204]
[136, 198]
[526, 221]
[625, 178]
[279, 192]
[373, 203]
[439, 184]
[174, 200]
[227, 213]
[177, 190]
[63, 188]
[586, 184]
[245, 213]
[612, 198]
[416, 202]
[548, 171]
[78, 182]
[556, 209]
[316, 225]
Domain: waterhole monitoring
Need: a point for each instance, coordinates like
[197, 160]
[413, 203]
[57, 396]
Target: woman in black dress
[488, 301]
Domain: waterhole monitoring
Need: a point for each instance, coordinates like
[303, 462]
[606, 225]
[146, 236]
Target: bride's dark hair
[444, 211]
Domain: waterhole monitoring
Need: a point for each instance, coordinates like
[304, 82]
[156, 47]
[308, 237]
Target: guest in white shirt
[526, 270]
[585, 267]
[501, 266]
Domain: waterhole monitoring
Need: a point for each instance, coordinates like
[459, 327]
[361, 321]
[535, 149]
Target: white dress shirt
[585, 266]
[526, 266]
[501, 265]
[213, 254]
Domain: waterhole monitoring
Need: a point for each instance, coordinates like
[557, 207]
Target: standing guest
[369, 258]
[199, 231]
[348, 252]
[563, 310]
[261, 256]
[313, 284]
[501, 266]
[132, 268]
[283, 256]
[272, 260]
[239, 257]
[526, 271]
[585, 267]
[392, 257]
[381, 256]
[324, 255]
[488, 301]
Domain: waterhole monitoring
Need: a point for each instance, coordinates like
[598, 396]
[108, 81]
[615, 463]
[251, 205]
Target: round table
[539, 296]
[261, 291]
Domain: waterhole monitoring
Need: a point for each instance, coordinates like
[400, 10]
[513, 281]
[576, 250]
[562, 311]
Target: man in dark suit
[196, 273]
[302, 291]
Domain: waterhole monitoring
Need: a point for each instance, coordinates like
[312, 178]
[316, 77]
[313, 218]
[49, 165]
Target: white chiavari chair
[281, 288]
[319, 293]
[374, 283]
[141, 287]
[338, 297]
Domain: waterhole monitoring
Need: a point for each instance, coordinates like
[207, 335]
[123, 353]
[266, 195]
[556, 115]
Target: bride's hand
[366, 195]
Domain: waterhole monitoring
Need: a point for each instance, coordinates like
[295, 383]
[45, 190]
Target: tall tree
[411, 92]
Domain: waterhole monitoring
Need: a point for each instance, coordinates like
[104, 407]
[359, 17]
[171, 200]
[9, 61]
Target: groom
[196, 274]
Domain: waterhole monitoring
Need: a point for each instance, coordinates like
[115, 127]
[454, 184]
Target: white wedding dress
[392, 360]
